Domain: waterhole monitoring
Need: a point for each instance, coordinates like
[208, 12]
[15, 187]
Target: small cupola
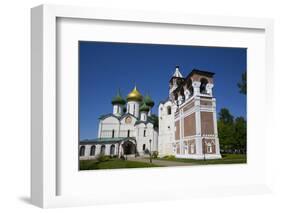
[144, 109]
[118, 100]
[148, 101]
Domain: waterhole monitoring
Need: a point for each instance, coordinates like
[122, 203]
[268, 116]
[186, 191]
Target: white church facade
[129, 130]
[186, 128]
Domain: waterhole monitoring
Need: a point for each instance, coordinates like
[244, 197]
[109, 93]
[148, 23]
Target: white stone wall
[107, 125]
[149, 135]
[143, 116]
[98, 150]
[124, 127]
[133, 108]
[166, 129]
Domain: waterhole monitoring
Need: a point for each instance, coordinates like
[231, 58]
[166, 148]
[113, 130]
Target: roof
[144, 122]
[177, 72]
[128, 114]
[194, 71]
[108, 115]
[105, 140]
[144, 107]
[200, 72]
[102, 117]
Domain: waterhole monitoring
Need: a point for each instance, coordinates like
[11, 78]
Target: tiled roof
[105, 140]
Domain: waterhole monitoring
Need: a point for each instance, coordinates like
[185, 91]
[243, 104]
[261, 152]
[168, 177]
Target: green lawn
[112, 164]
[226, 159]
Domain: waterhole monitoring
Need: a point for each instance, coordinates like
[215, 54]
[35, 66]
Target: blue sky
[105, 67]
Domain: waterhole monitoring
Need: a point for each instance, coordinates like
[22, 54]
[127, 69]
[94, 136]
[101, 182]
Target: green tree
[243, 84]
[241, 134]
[225, 116]
[232, 132]
[226, 130]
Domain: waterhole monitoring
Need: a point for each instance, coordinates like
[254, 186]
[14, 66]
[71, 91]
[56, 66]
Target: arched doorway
[129, 148]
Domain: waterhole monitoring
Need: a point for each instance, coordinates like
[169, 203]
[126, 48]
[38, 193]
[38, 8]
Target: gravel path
[160, 162]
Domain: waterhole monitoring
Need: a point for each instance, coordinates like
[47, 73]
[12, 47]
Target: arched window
[189, 87]
[128, 133]
[169, 110]
[112, 149]
[113, 133]
[93, 150]
[82, 151]
[102, 150]
[209, 148]
[143, 147]
[203, 85]
[144, 133]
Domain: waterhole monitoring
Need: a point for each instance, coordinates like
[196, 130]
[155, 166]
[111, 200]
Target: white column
[196, 88]
[198, 138]
[215, 127]
[181, 132]
[209, 88]
[100, 130]
[98, 148]
[87, 150]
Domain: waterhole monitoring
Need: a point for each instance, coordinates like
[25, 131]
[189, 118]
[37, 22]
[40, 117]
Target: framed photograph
[149, 106]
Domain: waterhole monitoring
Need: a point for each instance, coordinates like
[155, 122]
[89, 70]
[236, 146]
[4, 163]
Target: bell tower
[193, 119]
[175, 82]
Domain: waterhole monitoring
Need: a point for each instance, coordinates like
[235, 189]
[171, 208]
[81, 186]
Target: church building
[128, 130]
[187, 118]
[186, 126]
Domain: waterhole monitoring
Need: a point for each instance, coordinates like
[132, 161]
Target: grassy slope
[226, 159]
[112, 164]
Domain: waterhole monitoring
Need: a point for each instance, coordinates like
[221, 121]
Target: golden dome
[135, 95]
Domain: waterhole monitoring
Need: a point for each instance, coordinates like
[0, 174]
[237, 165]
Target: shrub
[154, 154]
[169, 157]
[102, 158]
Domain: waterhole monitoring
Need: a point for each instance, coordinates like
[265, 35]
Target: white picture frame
[45, 178]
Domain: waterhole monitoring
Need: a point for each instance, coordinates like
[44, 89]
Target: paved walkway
[160, 162]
